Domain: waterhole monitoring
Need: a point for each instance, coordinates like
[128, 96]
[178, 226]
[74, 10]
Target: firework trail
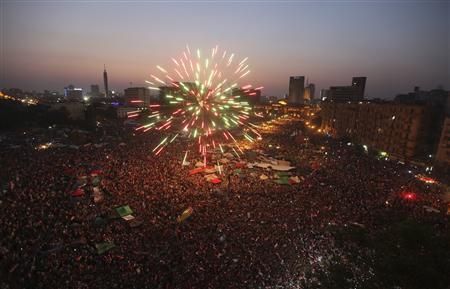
[202, 100]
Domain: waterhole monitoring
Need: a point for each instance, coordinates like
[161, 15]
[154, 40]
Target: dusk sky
[396, 44]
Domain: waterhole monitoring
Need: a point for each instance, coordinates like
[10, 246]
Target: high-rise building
[354, 92]
[95, 90]
[435, 102]
[359, 86]
[137, 96]
[309, 92]
[296, 90]
[105, 81]
[396, 129]
[443, 150]
[324, 94]
[407, 129]
[73, 93]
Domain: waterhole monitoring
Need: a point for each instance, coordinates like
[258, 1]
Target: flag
[124, 211]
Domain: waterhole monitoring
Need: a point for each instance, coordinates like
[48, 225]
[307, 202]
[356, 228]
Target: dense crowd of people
[243, 233]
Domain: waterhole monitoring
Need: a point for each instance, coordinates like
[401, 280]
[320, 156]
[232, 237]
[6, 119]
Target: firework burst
[202, 99]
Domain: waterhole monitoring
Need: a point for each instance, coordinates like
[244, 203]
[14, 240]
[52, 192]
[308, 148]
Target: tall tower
[359, 85]
[105, 81]
[296, 89]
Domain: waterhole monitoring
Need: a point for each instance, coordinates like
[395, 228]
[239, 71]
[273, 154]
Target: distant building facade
[123, 111]
[296, 90]
[137, 96]
[354, 92]
[397, 129]
[76, 110]
[437, 105]
[405, 128]
[443, 151]
[309, 93]
[359, 86]
[73, 93]
[324, 94]
[95, 90]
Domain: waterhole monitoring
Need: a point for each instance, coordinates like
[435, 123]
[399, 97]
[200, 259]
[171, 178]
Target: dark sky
[396, 44]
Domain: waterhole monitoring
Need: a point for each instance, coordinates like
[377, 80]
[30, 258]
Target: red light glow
[409, 196]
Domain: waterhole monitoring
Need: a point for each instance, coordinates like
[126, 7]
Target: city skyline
[48, 45]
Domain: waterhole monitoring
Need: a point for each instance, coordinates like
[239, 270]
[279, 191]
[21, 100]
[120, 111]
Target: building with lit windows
[73, 93]
[443, 151]
[296, 90]
[408, 128]
[353, 92]
[138, 96]
[397, 129]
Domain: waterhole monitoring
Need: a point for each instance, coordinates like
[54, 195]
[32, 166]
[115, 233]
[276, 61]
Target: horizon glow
[49, 45]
